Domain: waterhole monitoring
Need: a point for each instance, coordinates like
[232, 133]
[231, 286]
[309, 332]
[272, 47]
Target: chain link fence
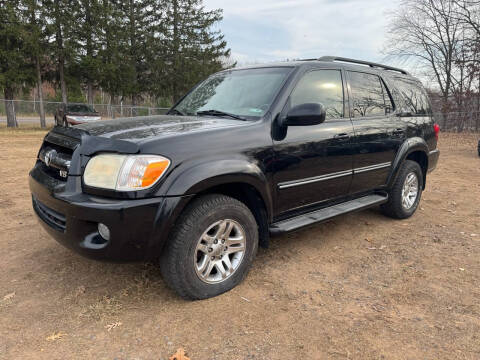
[458, 121]
[29, 111]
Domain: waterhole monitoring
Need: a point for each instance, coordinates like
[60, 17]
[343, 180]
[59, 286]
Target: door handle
[342, 137]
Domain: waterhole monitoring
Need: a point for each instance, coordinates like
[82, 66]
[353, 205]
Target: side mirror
[305, 115]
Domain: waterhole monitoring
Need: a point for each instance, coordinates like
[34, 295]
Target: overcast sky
[268, 30]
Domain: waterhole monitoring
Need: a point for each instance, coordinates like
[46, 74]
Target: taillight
[436, 128]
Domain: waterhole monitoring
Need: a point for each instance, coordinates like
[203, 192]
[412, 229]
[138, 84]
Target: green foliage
[16, 68]
[131, 49]
[190, 48]
[75, 93]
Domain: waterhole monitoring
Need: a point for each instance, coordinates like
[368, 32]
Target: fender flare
[409, 146]
[205, 175]
[185, 184]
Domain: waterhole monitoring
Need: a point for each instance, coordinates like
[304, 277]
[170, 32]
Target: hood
[144, 127]
[71, 113]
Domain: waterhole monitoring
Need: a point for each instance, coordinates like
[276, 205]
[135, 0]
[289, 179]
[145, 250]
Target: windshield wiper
[176, 111]
[213, 112]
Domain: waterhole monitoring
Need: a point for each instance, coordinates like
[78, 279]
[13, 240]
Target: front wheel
[405, 194]
[211, 249]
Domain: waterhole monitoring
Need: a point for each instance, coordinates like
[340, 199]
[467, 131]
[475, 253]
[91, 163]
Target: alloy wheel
[410, 190]
[219, 251]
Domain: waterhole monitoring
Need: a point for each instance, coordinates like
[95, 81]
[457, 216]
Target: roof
[326, 60]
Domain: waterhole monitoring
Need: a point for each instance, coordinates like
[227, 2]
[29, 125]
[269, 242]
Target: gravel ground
[359, 287]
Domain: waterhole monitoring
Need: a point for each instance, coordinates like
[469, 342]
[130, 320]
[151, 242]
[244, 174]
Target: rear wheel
[405, 194]
[211, 249]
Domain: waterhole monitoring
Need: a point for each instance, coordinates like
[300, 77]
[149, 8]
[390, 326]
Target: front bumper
[138, 227]
[82, 120]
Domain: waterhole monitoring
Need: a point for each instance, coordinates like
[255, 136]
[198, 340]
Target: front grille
[51, 171]
[51, 217]
[59, 160]
[59, 148]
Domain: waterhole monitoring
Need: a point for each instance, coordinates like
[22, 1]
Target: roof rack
[361, 62]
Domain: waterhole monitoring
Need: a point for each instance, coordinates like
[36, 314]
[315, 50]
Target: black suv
[247, 153]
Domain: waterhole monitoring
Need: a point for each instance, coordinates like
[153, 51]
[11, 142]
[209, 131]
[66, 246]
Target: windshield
[246, 93]
[80, 108]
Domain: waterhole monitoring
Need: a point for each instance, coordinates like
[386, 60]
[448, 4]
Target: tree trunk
[176, 48]
[90, 92]
[40, 94]
[61, 56]
[10, 108]
[61, 72]
[444, 111]
[88, 20]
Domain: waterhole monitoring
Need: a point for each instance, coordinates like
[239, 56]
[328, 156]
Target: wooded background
[150, 52]
[440, 41]
[132, 50]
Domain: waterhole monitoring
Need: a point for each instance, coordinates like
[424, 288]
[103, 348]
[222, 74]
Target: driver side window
[321, 86]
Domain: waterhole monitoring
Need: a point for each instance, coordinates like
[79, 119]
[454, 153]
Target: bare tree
[468, 12]
[426, 32]
[468, 59]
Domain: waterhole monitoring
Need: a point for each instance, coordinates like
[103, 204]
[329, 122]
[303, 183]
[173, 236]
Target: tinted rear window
[414, 97]
[367, 95]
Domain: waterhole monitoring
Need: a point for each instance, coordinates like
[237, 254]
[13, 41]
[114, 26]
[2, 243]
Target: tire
[478, 147]
[398, 205]
[182, 260]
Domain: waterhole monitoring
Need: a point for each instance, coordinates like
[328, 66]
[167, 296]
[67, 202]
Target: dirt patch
[359, 287]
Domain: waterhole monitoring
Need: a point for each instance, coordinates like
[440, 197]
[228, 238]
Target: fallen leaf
[56, 336]
[80, 290]
[113, 326]
[179, 355]
[9, 296]
[461, 269]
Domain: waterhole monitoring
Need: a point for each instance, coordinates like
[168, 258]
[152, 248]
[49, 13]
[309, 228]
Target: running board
[327, 213]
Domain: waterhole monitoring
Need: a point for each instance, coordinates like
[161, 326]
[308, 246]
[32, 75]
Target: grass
[23, 129]
[448, 140]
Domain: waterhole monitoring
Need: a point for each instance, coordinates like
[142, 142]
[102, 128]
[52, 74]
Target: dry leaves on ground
[113, 326]
[56, 336]
[179, 355]
[9, 296]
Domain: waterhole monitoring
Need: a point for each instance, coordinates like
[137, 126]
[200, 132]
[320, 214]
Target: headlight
[125, 172]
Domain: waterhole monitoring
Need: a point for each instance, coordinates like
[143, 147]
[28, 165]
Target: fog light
[104, 231]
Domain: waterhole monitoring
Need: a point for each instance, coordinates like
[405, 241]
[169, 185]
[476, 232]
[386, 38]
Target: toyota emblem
[49, 155]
